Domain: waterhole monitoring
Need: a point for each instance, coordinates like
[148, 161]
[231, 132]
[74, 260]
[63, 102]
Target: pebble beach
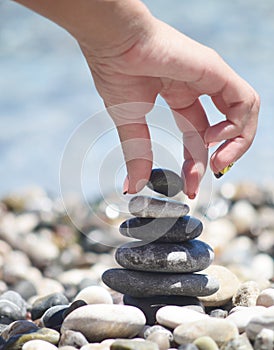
[52, 294]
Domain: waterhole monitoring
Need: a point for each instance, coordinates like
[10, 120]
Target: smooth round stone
[266, 297]
[38, 345]
[242, 317]
[246, 294]
[73, 338]
[67, 347]
[206, 343]
[94, 295]
[148, 284]
[150, 207]
[170, 230]
[228, 283]
[191, 256]
[172, 316]
[102, 321]
[161, 339]
[125, 344]
[257, 323]
[44, 303]
[10, 312]
[220, 330]
[165, 181]
[53, 317]
[151, 305]
[264, 340]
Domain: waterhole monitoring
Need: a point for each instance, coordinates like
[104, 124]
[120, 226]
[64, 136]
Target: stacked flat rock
[165, 258]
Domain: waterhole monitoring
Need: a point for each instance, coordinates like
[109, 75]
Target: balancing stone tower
[160, 266]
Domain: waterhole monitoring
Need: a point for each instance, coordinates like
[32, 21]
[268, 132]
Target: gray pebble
[189, 346]
[264, 340]
[239, 343]
[44, 303]
[191, 256]
[72, 338]
[161, 339]
[257, 323]
[162, 229]
[147, 284]
[150, 207]
[158, 328]
[165, 181]
[219, 313]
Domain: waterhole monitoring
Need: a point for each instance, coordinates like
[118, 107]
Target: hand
[166, 62]
[133, 57]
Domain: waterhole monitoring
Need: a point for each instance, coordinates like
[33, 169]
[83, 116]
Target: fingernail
[126, 185]
[192, 195]
[222, 172]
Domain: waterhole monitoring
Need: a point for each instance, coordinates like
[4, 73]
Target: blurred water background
[46, 90]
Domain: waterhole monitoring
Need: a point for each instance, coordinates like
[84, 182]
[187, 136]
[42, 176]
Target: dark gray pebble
[165, 181]
[53, 317]
[171, 230]
[44, 303]
[151, 207]
[73, 306]
[151, 305]
[146, 284]
[191, 256]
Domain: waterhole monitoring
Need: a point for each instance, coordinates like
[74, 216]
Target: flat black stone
[151, 305]
[170, 230]
[165, 181]
[147, 284]
[191, 256]
[152, 207]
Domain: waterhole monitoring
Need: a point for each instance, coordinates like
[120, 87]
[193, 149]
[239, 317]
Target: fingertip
[139, 171]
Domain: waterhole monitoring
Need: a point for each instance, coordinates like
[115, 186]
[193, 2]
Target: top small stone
[165, 181]
[151, 207]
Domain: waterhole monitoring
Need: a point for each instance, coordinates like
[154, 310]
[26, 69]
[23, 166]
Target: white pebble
[38, 344]
[171, 316]
[241, 316]
[94, 295]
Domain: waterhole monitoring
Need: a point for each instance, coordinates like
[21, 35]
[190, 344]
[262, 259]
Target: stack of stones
[160, 267]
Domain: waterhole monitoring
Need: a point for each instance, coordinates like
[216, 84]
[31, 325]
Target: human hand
[133, 57]
[166, 62]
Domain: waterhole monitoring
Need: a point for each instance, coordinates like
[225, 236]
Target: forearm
[96, 23]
